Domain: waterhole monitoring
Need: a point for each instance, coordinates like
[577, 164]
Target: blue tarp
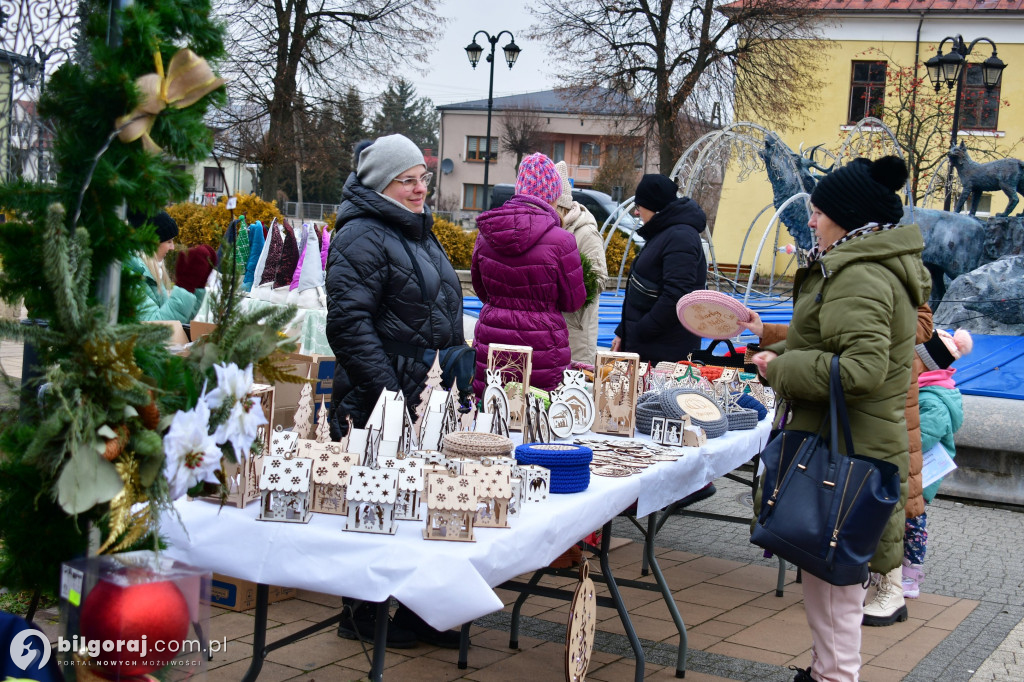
[995, 368]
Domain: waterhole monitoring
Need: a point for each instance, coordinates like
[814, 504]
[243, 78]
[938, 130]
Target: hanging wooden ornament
[579, 633]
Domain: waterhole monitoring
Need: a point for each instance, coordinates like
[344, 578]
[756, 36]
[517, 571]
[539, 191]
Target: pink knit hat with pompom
[539, 178]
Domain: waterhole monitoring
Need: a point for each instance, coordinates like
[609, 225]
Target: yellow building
[865, 40]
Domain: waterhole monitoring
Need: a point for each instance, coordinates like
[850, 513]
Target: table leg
[380, 642]
[464, 646]
[666, 593]
[634, 641]
[513, 637]
[259, 634]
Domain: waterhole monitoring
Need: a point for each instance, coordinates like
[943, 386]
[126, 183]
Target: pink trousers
[834, 615]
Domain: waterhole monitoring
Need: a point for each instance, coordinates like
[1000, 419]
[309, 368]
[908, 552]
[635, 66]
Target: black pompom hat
[862, 192]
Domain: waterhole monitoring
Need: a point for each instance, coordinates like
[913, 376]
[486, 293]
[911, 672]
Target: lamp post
[949, 69]
[474, 51]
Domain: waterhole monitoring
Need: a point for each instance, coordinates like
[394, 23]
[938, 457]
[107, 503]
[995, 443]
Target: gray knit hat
[385, 159]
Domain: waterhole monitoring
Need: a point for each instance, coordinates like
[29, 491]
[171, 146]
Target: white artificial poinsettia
[192, 454]
[242, 426]
[233, 385]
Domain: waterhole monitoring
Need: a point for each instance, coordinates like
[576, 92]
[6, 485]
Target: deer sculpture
[790, 173]
[1004, 174]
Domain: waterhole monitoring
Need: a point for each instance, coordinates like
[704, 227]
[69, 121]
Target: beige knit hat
[565, 201]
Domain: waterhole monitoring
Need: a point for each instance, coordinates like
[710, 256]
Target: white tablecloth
[447, 583]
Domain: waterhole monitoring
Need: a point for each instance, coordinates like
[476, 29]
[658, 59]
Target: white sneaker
[888, 605]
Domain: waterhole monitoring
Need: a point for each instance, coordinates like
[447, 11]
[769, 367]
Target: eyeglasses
[410, 183]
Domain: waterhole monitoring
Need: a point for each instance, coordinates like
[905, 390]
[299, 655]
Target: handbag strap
[728, 345]
[837, 409]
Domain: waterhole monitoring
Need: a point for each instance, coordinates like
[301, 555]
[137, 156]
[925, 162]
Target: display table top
[446, 583]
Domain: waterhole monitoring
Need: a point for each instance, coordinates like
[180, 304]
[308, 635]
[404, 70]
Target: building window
[867, 90]
[556, 151]
[980, 107]
[473, 197]
[476, 147]
[213, 180]
[622, 151]
[590, 154]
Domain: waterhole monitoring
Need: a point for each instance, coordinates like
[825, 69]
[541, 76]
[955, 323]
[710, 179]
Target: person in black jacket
[392, 293]
[392, 297]
[670, 264]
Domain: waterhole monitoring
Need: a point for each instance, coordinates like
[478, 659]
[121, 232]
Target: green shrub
[207, 224]
[613, 254]
[456, 241]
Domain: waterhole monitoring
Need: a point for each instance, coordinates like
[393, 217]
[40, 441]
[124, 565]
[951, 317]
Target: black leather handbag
[821, 510]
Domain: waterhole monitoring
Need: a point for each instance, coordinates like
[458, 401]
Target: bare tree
[680, 57]
[520, 132]
[281, 48]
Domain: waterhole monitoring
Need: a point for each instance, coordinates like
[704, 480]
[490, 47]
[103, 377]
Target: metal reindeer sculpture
[1004, 174]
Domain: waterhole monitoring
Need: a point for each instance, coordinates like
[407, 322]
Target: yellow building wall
[822, 122]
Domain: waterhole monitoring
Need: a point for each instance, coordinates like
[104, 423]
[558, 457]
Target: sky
[449, 77]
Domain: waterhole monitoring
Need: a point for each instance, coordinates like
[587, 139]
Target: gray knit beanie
[385, 159]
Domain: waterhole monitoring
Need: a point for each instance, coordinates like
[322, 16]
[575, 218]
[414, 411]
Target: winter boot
[888, 606]
[912, 577]
[359, 621]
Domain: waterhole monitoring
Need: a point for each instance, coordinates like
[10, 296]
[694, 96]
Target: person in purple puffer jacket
[527, 271]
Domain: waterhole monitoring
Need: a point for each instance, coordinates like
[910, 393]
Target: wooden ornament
[494, 494]
[284, 489]
[303, 420]
[451, 506]
[513, 365]
[615, 393]
[371, 496]
[323, 426]
[581, 628]
[331, 467]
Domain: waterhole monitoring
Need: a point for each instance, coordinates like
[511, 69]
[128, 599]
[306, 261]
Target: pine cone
[115, 446]
[150, 415]
[113, 450]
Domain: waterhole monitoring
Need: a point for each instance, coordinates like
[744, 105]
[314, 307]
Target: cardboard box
[236, 594]
[286, 395]
[199, 329]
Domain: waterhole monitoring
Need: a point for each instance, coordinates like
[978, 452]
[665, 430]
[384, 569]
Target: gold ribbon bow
[188, 79]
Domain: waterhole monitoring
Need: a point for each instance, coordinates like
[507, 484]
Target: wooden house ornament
[284, 489]
[451, 506]
[390, 417]
[282, 443]
[615, 393]
[513, 364]
[371, 496]
[410, 486]
[331, 467]
[493, 494]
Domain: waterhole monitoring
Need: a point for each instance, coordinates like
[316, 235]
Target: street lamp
[949, 69]
[474, 51]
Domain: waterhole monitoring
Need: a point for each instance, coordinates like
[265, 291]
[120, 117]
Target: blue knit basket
[569, 464]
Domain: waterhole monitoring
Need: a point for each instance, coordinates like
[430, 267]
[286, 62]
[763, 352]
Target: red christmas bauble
[153, 615]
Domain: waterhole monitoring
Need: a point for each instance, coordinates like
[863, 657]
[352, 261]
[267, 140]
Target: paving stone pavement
[973, 553]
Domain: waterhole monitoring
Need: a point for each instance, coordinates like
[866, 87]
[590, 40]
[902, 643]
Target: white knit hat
[565, 201]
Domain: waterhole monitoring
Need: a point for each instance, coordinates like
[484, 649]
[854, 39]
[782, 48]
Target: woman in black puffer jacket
[392, 293]
[670, 264]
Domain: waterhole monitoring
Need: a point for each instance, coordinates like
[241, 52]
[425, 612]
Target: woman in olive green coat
[857, 299]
